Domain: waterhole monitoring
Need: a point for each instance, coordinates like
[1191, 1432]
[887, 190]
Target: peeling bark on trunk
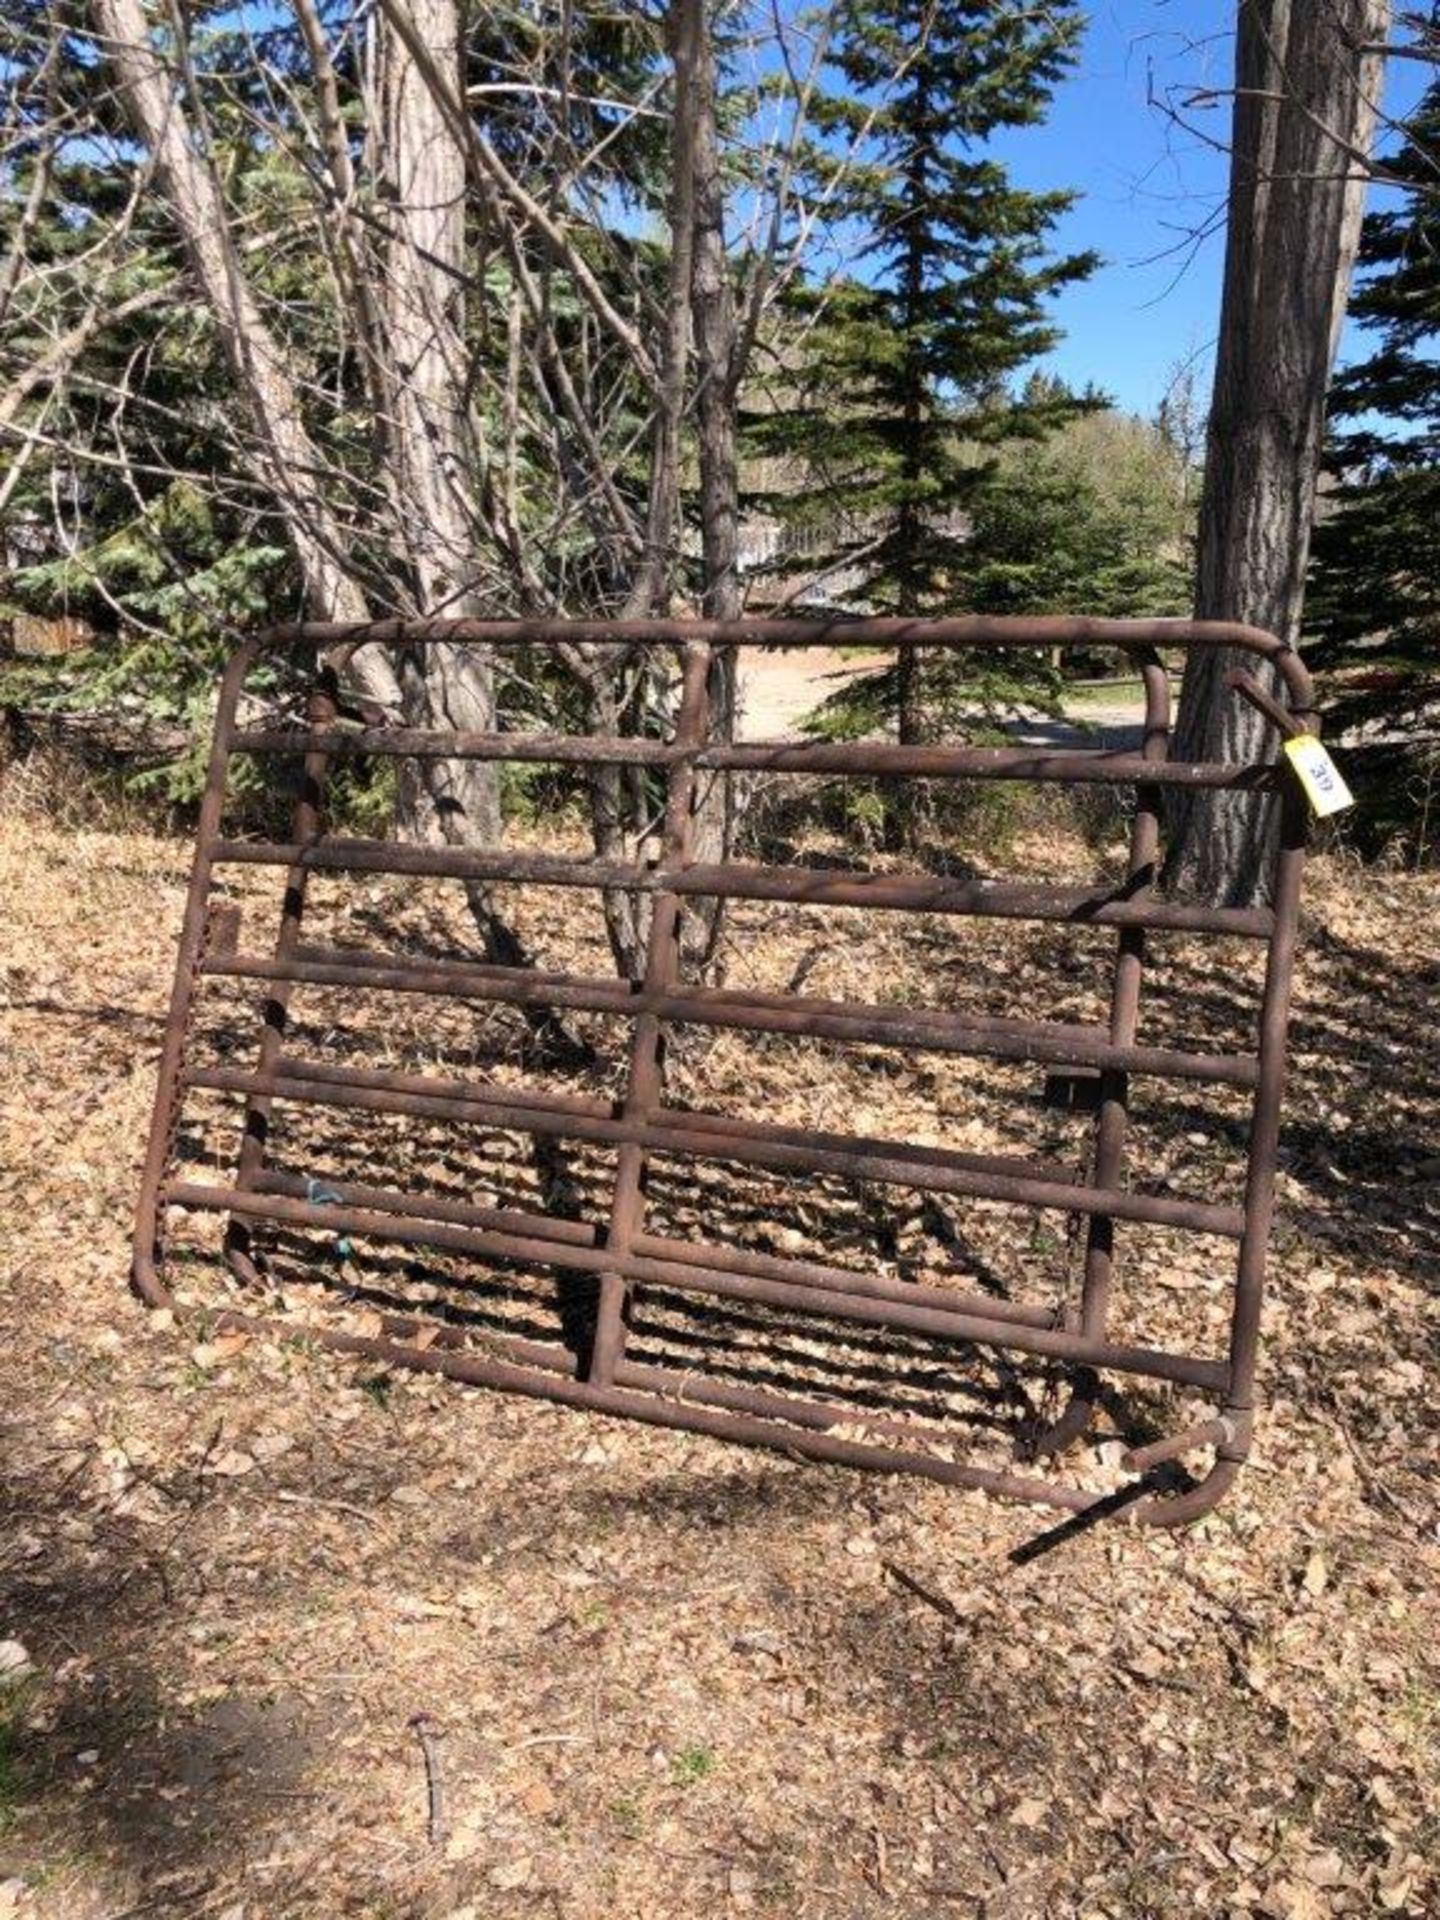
[1305, 104]
[422, 292]
[281, 455]
[712, 306]
[421, 435]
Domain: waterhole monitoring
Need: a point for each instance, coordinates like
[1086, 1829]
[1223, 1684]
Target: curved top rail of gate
[1142, 639]
[980, 631]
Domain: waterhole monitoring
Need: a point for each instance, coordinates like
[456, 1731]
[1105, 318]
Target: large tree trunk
[422, 433]
[712, 307]
[423, 298]
[281, 454]
[1305, 106]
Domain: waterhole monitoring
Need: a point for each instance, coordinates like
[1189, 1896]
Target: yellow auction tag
[1319, 776]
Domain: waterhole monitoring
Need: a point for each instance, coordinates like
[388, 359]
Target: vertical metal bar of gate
[662, 960]
[322, 709]
[1113, 1113]
[149, 1233]
[1264, 1151]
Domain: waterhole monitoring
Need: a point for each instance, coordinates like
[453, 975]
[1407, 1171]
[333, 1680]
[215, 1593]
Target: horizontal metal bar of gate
[921, 1028]
[695, 1278]
[1093, 768]
[978, 633]
[714, 1136]
[542, 1226]
[738, 880]
[774, 1421]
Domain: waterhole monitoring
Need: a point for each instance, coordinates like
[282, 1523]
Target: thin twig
[945, 1607]
[167, 1895]
[427, 1732]
[293, 1499]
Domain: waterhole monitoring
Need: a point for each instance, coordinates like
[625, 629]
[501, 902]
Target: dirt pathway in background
[777, 691]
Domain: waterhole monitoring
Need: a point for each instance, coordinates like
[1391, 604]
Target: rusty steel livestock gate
[615, 1256]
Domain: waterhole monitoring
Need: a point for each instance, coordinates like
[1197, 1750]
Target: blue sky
[1148, 184]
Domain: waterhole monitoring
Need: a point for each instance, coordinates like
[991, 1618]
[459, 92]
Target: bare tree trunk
[712, 306]
[654, 579]
[422, 433]
[422, 295]
[281, 454]
[617, 798]
[1305, 104]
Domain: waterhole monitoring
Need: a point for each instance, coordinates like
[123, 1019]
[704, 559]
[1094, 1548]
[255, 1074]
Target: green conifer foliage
[1095, 519]
[1374, 608]
[903, 390]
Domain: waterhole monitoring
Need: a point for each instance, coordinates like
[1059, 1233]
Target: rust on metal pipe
[1289, 724]
[863, 758]
[921, 1028]
[740, 880]
[752, 1143]
[977, 632]
[622, 1257]
[971, 1329]
[690, 1415]
[1158, 1453]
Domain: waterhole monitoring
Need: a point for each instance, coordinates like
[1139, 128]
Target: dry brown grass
[674, 1677]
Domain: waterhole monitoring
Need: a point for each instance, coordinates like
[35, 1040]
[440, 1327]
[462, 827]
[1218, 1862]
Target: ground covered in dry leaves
[660, 1676]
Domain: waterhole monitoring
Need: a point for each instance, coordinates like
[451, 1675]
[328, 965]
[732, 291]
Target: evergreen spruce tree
[162, 549]
[1374, 607]
[904, 378]
[1094, 519]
